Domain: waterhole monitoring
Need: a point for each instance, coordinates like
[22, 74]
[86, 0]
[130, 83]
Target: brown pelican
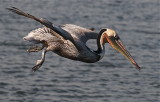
[69, 41]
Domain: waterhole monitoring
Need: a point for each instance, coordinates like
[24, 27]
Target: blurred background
[112, 79]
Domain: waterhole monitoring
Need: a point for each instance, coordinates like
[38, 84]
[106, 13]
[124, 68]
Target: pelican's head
[113, 39]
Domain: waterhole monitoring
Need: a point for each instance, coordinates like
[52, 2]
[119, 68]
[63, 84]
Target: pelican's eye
[116, 37]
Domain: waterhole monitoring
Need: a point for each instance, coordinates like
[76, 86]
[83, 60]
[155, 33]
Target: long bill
[119, 46]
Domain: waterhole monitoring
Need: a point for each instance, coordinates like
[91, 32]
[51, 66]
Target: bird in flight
[69, 41]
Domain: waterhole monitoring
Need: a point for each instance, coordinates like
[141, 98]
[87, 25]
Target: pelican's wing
[55, 30]
[80, 34]
[77, 35]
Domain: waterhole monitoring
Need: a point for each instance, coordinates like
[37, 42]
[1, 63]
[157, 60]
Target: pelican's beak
[117, 44]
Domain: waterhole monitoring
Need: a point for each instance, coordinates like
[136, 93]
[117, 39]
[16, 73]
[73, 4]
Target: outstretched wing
[76, 34]
[55, 30]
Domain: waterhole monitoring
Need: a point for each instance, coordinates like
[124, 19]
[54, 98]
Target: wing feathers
[44, 22]
[77, 35]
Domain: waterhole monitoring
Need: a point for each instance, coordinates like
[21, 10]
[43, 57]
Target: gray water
[112, 79]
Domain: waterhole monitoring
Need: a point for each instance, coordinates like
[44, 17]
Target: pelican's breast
[65, 49]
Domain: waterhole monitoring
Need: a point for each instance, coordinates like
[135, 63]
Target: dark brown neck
[99, 44]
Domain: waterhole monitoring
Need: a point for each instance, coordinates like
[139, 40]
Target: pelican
[69, 41]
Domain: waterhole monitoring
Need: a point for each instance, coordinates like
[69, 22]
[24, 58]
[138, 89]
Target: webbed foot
[39, 62]
[38, 65]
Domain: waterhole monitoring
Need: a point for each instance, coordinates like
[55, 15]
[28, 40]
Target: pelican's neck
[101, 49]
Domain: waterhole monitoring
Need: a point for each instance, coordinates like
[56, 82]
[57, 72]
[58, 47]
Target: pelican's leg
[40, 62]
[35, 48]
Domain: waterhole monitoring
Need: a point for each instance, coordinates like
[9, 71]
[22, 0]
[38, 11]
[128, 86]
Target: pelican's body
[66, 48]
[69, 41]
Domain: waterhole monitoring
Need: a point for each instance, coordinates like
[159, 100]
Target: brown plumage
[69, 41]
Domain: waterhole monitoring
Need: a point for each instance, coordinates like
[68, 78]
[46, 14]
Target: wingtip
[11, 8]
[8, 8]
